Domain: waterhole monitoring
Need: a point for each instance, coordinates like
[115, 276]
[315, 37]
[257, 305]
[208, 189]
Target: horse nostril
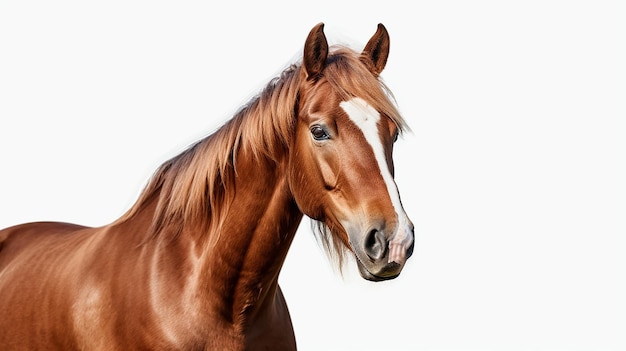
[375, 245]
[409, 251]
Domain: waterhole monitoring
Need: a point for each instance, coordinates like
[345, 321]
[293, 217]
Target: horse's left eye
[319, 133]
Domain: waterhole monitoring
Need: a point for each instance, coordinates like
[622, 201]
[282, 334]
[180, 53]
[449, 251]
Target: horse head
[341, 170]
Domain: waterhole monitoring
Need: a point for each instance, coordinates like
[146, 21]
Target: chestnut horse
[194, 263]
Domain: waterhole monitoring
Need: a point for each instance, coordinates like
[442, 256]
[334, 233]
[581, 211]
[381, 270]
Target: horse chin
[390, 271]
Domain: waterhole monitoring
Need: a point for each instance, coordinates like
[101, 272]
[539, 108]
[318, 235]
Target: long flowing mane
[195, 262]
[197, 184]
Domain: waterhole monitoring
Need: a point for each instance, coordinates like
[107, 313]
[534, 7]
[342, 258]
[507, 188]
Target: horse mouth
[389, 271]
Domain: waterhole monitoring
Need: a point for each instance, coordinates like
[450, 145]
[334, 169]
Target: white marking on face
[366, 118]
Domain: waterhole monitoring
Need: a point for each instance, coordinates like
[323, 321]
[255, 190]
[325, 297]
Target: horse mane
[196, 185]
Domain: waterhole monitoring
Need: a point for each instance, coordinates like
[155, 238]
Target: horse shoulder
[30, 296]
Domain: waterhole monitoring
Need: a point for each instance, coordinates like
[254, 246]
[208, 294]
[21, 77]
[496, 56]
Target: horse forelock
[351, 77]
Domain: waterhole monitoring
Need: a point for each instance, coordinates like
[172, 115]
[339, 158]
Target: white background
[514, 174]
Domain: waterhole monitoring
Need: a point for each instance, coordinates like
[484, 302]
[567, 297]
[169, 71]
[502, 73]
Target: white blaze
[366, 118]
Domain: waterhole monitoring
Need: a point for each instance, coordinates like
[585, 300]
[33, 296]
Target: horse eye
[319, 133]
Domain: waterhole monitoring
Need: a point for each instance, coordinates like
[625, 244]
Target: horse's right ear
[315, 52]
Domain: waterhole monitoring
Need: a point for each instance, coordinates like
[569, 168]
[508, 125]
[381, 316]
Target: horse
[194, 263]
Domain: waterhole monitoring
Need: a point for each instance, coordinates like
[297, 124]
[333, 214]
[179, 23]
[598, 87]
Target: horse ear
[315, 52]
[377, 50]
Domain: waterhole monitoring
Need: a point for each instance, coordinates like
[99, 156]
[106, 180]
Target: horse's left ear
[377, 50]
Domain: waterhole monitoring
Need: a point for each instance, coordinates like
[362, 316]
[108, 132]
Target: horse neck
[256, 234]
[233, 270]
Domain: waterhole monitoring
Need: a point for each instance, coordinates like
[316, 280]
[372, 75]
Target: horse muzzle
[380, 257]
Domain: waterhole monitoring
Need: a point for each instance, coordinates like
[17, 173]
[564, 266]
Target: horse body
[112, 288]
[194, 264]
